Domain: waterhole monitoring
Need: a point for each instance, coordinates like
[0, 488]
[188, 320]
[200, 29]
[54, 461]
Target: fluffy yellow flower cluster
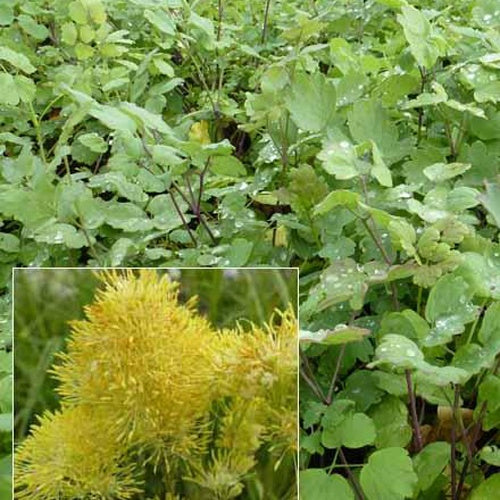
[150, 389]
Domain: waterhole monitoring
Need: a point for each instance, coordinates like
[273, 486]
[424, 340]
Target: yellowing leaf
[199, 132]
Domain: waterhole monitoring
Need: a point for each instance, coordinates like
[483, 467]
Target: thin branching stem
[183, 219]
[309, 377]
[417, 434]
[266, 20]
[340, 357]
[352, 478]
[453, 457]
[423, 81]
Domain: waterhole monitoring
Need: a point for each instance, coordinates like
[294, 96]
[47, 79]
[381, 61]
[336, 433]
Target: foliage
[156, 402]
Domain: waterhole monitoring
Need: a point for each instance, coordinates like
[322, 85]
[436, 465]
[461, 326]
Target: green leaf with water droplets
[396, 351]
[61, 234]
[448, 309]
[341, 334]
[311, 101]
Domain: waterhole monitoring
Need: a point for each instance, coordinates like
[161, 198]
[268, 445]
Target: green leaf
[117, 182]
[369, 121]
[482, 274]
[491, 455]
[128, 217]
[388, 475]
[380, 170]
[8, 90]
[32, 28]
[489, 334]
[5, 422]
[408, 323]
[229, 166]
[449, 309]
[391, 421]
[165, 215]
[343, 427]
[19, 61]
[430, 463]
[396, 351]
[440, 172]
[9, 243]
[419, 34]
[119, 251]
[488, 489]
[340, 159]
[83, 51]
[472, 358]
[93, 142]
[361, 387]
[166, 156]
[490, 92]
[78, 12]
[61, 234]
[69, 33]
[338, 198]
[491, 201]
[239, 252]
[145, 118]
[342, 280]
[6, 15]
[112, 118]
[25, 88]
[311, 102]
[316, 484]
[489, 392]
[341, 334]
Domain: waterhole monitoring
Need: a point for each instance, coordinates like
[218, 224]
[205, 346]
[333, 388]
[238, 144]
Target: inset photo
[155, 384]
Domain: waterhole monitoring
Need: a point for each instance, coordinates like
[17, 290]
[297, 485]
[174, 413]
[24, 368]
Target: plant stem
[354, 481]
[334, 461]
[38, 131]
[335, 374]
[423, 81]
[453, 463]
[201, 219]
[413, 410]
[476, 321]
[266, 18]
[202, 182]
[419, 299]
[309, 377]
[183, 219]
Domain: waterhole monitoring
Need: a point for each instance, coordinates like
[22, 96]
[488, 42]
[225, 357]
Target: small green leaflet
[341, 334]
[398, 352]
[311, 102]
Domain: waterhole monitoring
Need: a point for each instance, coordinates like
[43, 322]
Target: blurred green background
[46, 299]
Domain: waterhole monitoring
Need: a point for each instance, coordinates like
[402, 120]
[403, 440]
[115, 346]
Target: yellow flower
[145, 357]
[73, 453]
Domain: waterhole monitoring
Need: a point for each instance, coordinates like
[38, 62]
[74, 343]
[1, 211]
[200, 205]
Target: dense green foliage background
[357, 139]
